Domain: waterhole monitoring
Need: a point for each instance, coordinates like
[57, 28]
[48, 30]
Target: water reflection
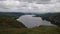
[30, 21]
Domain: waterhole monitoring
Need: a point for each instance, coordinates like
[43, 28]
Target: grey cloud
[2, 0]
[59, 1]
[30, 1]
[43, 1]
[24, 6]
[37, 1]
[29, 5]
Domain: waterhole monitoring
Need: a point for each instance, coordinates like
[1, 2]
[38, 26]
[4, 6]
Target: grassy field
[36, 30]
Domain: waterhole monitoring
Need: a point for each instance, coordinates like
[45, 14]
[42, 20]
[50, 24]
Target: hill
[54, 18]
[14, 15]
[36, 30]
[8, 19]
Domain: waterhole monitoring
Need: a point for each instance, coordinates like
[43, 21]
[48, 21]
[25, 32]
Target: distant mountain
[12, 14]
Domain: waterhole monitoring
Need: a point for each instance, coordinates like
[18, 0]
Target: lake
[31, 22]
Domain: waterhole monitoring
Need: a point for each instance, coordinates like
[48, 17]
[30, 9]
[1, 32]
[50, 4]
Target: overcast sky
[30, 5]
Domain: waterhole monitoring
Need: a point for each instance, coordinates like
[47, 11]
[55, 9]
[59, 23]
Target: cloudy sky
[30, 5]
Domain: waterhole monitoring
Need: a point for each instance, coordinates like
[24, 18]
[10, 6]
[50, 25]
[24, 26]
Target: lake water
[31, 22]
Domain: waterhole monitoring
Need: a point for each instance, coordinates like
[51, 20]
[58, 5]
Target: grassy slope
[45, 30]
[9, 25]
[36, 30]
[10, 22]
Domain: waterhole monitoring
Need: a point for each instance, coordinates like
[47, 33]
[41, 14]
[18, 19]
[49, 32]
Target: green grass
[45, 30]
[12, 31]
[36, 30]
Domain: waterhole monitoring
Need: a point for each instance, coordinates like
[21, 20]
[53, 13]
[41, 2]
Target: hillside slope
[54, 18]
